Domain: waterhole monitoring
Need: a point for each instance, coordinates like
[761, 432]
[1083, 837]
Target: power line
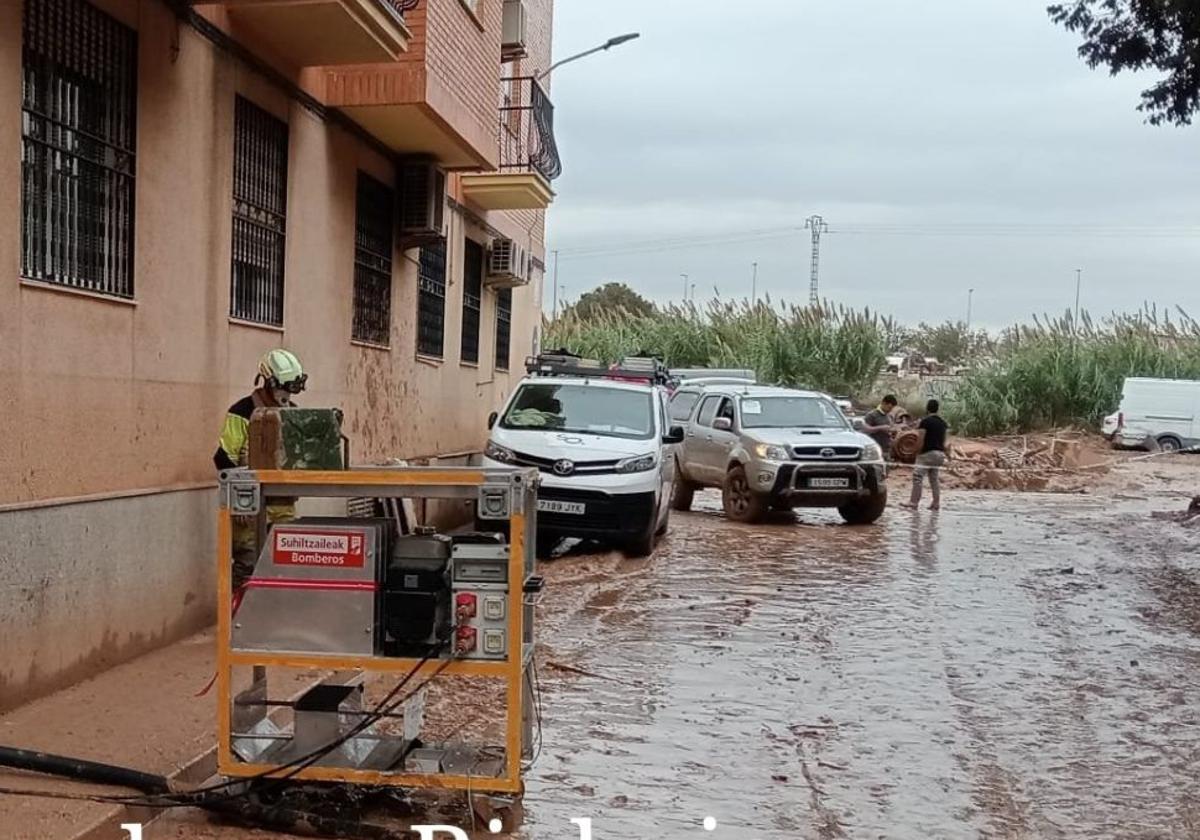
[981, 229]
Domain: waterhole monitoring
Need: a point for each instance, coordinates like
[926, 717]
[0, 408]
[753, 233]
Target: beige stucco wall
[104, 396]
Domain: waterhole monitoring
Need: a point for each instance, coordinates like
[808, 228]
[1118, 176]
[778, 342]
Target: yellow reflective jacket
[233, 451]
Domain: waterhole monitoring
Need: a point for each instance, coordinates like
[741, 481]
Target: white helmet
[281, 369]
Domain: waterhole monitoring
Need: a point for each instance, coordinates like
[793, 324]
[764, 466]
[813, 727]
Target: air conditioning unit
[515, 31]
[422, 196]
[508, 265]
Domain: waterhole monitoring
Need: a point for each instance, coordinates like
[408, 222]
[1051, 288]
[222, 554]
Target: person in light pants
[932, 456]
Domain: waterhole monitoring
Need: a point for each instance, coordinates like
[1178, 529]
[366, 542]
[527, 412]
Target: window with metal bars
[431, 300]
[260, 171]
[78, 139]
[472, 302]
[373, 262]
[504, 299]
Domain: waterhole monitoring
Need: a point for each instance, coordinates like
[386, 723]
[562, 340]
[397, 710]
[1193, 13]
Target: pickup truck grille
[827, 453]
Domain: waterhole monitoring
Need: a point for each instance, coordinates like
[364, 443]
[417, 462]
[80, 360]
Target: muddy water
[1013, 666]
[1003, 668]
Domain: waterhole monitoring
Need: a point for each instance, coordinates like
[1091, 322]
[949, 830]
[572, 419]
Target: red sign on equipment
[325, 549]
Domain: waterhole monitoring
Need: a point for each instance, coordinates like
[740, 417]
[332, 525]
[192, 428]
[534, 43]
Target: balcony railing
[401, 6]
[527, 129]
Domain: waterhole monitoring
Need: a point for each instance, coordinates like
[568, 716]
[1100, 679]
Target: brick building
[186, 185]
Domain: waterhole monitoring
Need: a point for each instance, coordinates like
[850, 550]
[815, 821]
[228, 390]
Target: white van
[604, 446]
[1165, 410]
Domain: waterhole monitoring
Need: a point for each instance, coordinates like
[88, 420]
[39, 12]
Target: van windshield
[584, 409]
[790, 413]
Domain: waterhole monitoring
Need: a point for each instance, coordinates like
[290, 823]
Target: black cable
[82, 770]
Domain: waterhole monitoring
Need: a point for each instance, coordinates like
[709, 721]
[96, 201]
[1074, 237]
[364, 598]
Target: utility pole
[818, 226]
[754, 283]
[555, 306]
[970, 294]
[1078, 283]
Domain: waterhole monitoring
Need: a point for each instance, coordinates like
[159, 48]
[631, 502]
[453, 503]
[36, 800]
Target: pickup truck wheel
[683, 494]
[741, 502]
[864, 511]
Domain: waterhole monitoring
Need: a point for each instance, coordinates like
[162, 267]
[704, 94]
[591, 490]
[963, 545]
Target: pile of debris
[1189, 517]
[1062, 463]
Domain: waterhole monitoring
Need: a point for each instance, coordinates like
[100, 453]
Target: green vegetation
[832, 349]
[1051, 374]
[1040, 376]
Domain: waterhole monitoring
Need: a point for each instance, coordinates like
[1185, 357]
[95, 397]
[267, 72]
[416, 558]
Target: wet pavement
[1015, 665]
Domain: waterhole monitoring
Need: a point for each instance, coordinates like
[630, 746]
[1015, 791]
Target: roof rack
[631, 369]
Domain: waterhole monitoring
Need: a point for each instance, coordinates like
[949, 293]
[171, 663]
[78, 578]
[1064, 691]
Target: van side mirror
[674, 435]
[492, 420]
[723, 424]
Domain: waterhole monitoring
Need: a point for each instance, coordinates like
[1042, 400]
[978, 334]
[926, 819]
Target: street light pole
[554, 317]
[754, 284]
[1079, 281]
[970, 294]
[685, 287]
[607, 45]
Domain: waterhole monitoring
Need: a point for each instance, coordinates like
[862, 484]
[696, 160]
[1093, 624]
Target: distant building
[186, 185]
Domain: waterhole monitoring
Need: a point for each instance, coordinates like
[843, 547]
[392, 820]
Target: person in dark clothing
[879, 426]
[932, 457]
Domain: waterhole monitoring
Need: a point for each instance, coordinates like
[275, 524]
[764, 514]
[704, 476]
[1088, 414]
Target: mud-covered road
[1017, 665]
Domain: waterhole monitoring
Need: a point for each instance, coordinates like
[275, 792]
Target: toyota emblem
[827, 453]
[564, 467]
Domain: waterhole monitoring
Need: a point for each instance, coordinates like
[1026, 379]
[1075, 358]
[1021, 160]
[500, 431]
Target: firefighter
[280, 377]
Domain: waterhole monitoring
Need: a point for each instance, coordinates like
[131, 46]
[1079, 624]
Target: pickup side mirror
[723, 424]
[857, 423]
[674, 435]
[492, 420]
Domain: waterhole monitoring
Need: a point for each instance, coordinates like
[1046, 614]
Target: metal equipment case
[347, 566]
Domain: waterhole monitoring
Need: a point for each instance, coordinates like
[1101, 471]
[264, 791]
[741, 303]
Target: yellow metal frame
[512, 669]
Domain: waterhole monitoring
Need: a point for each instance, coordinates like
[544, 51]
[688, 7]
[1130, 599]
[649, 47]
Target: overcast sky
[949, 144]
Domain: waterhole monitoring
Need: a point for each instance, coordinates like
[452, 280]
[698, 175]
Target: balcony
[312, 33]
[439, 99]
[529, 159]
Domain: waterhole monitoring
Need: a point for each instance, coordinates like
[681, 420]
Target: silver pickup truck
[775, 449]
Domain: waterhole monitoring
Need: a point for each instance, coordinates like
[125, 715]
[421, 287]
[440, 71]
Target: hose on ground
[82, 770]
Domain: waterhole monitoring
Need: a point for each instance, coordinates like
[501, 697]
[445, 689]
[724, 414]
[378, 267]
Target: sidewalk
[143, 714]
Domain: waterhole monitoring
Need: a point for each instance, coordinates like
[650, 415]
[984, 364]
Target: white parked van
[1163, 410]
[604, 445]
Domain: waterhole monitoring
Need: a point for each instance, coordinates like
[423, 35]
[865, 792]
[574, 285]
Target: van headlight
[496, 452]
[872, 452]
[770, 453]
[640, 463]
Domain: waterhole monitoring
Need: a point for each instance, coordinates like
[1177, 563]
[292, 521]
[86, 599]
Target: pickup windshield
[790, 413]
[583, 409]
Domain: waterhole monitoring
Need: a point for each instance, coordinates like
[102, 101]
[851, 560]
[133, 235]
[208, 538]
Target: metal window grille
[373, 262]
[431, 300]
[472, 300]
[78, 140]
[260, 151]
[503, 328]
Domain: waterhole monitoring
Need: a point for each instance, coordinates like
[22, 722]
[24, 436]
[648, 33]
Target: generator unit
[346, 586]
[371, 613]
